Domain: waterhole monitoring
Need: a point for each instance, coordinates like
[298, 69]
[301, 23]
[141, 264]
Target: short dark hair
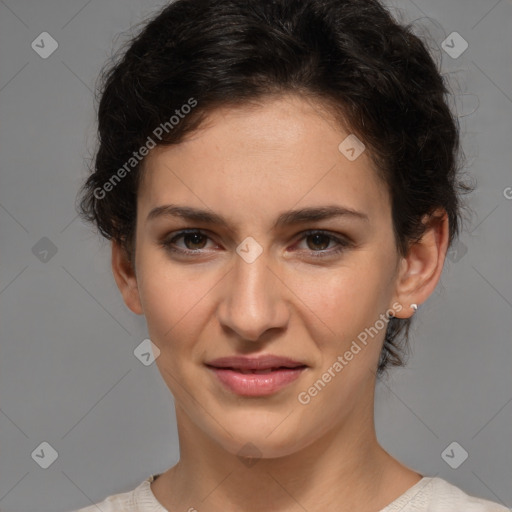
[375, 76]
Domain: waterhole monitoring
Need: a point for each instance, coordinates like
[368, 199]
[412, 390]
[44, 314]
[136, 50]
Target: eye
[195, 243]
[319, 241]
[194, 240]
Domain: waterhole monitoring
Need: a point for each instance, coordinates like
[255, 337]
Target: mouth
[260, 376]
[259, 372]
[267, 362]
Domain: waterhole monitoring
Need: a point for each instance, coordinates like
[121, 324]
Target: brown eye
[323, 244]
[187, 242]
[319, 241]
[194, 240]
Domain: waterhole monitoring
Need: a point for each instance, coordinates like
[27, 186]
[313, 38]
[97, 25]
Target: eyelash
[342, 243]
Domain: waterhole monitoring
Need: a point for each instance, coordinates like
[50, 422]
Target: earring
[414, 306]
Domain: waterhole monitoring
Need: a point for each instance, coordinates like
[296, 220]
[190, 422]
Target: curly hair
[375, 76]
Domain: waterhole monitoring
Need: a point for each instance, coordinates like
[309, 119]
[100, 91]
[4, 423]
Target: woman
[280, 183]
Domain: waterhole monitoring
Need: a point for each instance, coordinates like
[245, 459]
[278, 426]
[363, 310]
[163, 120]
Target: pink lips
[256, 376]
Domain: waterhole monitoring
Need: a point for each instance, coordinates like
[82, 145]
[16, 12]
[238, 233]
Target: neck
[345, 466]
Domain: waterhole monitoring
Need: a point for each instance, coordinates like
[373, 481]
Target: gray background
[68, 373]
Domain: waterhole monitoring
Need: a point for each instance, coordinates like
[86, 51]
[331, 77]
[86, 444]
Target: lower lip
[254, 384]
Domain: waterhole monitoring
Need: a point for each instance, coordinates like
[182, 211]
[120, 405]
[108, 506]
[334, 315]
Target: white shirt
[430, 494]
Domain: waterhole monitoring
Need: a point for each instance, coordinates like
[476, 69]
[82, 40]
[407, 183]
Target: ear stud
[414, 306]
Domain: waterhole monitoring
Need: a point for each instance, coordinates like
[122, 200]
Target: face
[316, 290]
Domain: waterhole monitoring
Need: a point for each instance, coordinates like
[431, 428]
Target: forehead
[256, 160]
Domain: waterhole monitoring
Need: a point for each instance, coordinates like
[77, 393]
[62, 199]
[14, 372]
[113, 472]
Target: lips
[256, 376]
[261, 364]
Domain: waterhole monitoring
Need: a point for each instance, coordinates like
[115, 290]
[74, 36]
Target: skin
[250, 164]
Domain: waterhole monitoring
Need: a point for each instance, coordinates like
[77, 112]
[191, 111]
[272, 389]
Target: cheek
[173, 299]
[336, 301]
[343, 301]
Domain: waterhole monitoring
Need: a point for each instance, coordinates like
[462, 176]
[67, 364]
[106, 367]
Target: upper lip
[263, 362]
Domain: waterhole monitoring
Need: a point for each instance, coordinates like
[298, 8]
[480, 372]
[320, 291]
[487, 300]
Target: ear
[126, 279]
[421, 269]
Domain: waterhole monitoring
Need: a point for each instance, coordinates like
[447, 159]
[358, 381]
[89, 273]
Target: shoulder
[446, 497]
[139, 499]
[433, 494]
[114, 503]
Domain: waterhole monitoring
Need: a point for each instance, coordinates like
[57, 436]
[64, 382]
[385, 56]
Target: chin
[258, 440]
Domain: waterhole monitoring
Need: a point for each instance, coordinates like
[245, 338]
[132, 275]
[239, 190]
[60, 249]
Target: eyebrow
[289, 218]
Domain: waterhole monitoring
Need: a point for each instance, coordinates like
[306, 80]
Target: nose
[253, 300]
